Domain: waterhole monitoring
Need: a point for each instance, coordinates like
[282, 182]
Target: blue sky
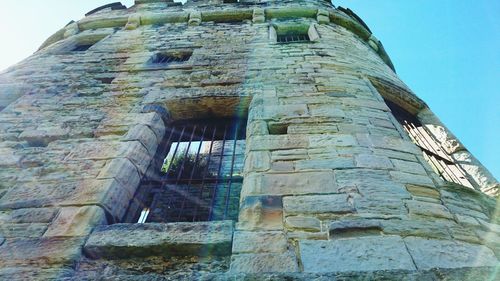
[446, 51]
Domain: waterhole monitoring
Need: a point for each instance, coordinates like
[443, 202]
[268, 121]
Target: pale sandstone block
[144, 135]
[274, 142]
[373, 161]
[278, 112]
[356, 254]
[323, 164]
[137, 154]
[108, 193]
[257, 128]
[296, 183]
[428, 254]
[19, 230]
[40, 251]
[419, 208]
[317, 204]
[331, 140]
[261, 213]
[9, 157]
[261, 263]
[259, 242]
[407, 178]
[423, 191]
[123, 171]
[303, 223]
[258, 161]
[76, 221]
[120, 241]
[409, 167]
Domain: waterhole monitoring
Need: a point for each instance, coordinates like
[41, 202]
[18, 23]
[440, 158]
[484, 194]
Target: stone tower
[295, 153]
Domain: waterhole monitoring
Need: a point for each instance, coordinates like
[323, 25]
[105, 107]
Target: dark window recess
[431, 148]
[165, 58]
[105, 80]
[201, 174]
[293, 38]
[82, 47]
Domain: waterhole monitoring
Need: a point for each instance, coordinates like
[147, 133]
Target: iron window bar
[433, 153]
[292, 38]
[165, 59]
[201, 173]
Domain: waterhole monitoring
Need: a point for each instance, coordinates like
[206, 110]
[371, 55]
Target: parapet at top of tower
[195, 12]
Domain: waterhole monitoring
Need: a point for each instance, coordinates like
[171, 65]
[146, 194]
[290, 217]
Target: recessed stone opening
[286, 33]
[433, 151]
[82, 47]
[171, 57]
[201, 174]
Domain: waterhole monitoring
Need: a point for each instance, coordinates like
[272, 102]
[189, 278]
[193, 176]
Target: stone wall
[332, 185]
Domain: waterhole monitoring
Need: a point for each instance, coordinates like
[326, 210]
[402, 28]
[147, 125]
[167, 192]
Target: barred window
[201, 174]
[166, 58]
[293, 38]
[442, 163]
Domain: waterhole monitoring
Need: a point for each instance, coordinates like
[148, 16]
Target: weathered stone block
[317, 204]
[258, 15]
[109, 194]
[428, 254]
[261, 263]
[37, 215]
[9, 157]
[44, 251]
[261, 212]
[331, 140]
[278, 112]
[312, 129]
[29, 230]
[419, 208]
[258, 161]
[275, 142]
[423, 191]
[296, 183]
[409, 167]
[137, 153]
[356, 254]
[323, 164]
[326, 110]
[257, 128]
[173, 239]
[123, 171]
[41, 137]
[76, 221]
[303, 223]
[407, 178]
[259, 242]
[429, 229]
[373, 162]
[346, 228]
[144, 135]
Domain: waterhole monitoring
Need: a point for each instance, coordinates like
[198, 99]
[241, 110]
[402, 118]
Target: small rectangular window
[293, 38]
[82, 47]
[169, 58]
[202, 174]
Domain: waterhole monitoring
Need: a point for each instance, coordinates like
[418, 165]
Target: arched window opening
[434, 153]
